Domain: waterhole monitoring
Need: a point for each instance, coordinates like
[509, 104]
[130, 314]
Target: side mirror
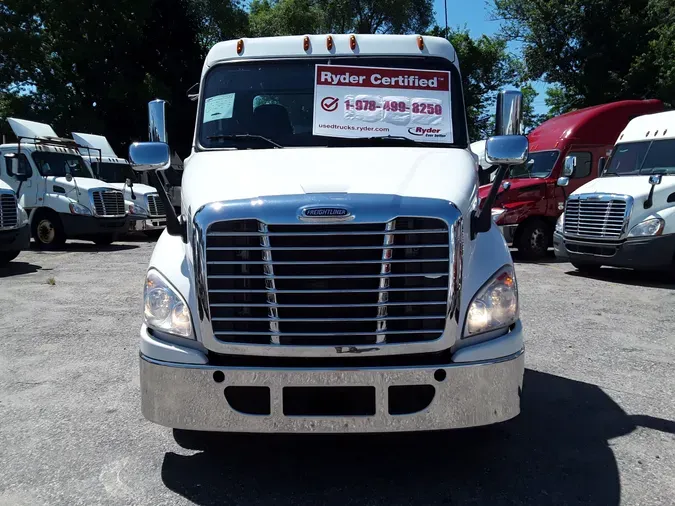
[129, 183]
[14, 168]
[509, 113]
[506, 185]
[146, 156]
[601, 164]
[69, 177]
[569, 166]
[563, 181]
[655, 179]
[507, 150]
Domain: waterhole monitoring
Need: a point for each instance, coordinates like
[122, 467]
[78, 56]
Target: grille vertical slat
[108, 203]
[595, 217]
[8, 211]
[155, 205]
[327, 285]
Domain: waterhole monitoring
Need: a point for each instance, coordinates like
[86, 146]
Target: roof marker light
[656, 133]
[329, 42]
[647, 134]
[420, 42]
[240, 46]
[352, 42]
[305, 43]
[665, 131]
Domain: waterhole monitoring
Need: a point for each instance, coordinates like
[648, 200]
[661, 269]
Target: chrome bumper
[157, 223]
[470, 394]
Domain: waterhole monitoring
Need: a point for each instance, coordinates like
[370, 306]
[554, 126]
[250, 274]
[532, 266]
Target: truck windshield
[644, 157]
[114, 172]
[247, 105]
[60, 164]
[539, 164]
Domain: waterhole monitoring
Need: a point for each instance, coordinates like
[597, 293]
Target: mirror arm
[650, 199]
[481, 220]
[174, 226]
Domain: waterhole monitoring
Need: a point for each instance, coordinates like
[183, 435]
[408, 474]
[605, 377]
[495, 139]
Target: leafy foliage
[595, 51]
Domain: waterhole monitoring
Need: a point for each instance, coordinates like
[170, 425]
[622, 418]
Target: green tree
[487, 67]
[595, 51]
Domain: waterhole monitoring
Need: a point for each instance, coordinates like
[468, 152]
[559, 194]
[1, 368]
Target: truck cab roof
[592, 125]
[330, 45]
[649, 127]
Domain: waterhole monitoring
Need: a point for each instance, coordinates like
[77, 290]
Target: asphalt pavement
[597, 423]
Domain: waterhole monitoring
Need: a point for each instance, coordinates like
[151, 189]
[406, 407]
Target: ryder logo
[425, 132]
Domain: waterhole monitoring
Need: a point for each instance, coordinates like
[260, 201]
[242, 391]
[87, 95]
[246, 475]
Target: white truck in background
[14, 228]
[331, 269]
[57, 189]
[147, 213]
[626, 217]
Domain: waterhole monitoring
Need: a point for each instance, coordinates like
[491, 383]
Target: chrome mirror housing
[146, 156]
[563, 181]
[508, 120]
[655, 179]
[507, 150]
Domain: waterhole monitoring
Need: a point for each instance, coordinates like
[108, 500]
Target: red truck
[530, 199]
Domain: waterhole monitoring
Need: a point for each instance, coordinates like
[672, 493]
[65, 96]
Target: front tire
[590, 269]
[104, 240]
[48, 232]
[533, 240]
[7, 256]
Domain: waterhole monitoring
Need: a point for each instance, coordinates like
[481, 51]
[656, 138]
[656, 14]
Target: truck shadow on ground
[555, 452]
[549, 258]
[85, 247]
[17, 268]
[652, 279]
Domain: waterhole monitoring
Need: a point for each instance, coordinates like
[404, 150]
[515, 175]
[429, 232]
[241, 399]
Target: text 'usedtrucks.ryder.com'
[331, 269]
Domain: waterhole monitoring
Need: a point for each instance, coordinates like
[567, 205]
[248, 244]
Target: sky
[475, 15]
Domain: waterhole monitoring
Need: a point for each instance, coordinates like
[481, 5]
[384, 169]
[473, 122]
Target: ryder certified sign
[377, 102]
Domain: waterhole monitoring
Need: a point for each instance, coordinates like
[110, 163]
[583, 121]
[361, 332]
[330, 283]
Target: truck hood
[516, 185]
[139, 189]
[448, 174]
[83, 183]
[635, 186]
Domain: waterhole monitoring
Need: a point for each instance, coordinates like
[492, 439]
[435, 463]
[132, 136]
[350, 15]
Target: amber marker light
[420, 42]
[329, 42]
[305, 43]
[240, 46]
[352, 42]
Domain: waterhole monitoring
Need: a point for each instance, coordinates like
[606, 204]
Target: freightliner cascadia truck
[330, 269]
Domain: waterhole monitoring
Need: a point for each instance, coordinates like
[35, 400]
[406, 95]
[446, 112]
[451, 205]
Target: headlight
[23, 216]
[138, 210]
[652, 226]
[495, 305]
[559, 225]
[78, 209]
[165, 309]
[497, 212]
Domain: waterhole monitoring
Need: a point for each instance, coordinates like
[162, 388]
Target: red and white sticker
[376, 102]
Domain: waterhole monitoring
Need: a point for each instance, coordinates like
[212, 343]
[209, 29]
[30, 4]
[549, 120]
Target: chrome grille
[108, 203]
[155, 206]
[8, 211]
[337, 284]
[595, 216]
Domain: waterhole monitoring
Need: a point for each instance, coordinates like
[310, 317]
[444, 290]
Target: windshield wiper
[233, 137]
[395, 138]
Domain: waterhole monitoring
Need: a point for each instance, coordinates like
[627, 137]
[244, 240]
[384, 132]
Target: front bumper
[147, 224]
[188, 396]
[644, 253]
[17, 239]
[509, 232]
[87, 226]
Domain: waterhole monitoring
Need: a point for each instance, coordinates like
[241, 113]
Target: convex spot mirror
[507, 150]
[147, 156]
[569, 165]
[563, 181]
[655, 179]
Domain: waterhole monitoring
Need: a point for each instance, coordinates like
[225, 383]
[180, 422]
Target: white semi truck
[626, 217]
[57, 189]
[331, 269]
[147, 214]
[14, 229]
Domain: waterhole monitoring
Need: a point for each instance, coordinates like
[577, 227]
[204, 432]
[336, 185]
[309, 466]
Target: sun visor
[30, 129]
[95, 142]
